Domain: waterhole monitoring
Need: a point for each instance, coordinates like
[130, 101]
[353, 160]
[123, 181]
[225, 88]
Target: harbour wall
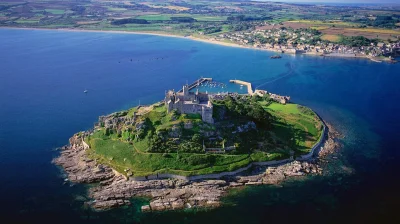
[248, 84]
[197, 83]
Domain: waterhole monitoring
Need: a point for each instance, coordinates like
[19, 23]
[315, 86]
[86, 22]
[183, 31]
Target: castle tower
[185, 90]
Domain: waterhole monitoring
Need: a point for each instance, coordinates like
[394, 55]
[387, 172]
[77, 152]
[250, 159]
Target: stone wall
[210, 176]
[247, 84]
[231, 173]
[206, 114]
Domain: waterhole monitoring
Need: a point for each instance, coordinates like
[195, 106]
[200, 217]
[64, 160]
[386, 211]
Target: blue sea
[43, 75]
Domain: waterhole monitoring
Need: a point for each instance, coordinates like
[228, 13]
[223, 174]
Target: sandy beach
[141, 33]
[151, 33]
[184, 37]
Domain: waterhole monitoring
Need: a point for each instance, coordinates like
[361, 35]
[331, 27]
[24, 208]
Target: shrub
[183, 19]
[127, 21]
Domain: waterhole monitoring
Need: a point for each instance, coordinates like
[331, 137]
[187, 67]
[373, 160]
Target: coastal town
[368, 31]
[308, 41]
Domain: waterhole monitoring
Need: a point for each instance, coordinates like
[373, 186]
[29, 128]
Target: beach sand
[175, 36]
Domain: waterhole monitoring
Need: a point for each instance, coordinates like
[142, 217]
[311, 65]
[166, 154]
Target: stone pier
[248, 84]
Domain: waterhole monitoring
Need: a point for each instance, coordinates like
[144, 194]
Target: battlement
[186, 102]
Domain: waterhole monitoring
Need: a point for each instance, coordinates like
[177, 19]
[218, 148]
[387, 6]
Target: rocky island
[189, 149]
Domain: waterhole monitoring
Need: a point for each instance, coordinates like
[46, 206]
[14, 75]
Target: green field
[155, 17]
[303, 128]
[26, 21]
[116, 9]
[121, 155]
[55, 11]
[206, 18]
[327, 23]
[164, 17]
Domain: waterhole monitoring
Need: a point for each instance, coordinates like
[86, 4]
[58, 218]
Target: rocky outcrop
[115, 189]
[331, 144]
[81, 169]
[114, 120]
[166, 194]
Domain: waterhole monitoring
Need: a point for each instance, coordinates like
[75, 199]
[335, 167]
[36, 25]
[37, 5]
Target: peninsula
[190, 148]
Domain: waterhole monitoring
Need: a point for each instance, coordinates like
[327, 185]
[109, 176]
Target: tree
[130, 20]
[197, 138]
[266, 97]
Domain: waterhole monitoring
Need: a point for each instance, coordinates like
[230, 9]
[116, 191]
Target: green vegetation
[240, 18]
[121, 155]
[26, 21]
[161, 142]
[385, 21]
[295, 124]
[155, 17]
[127, 21]
[183, 19]
[357, 41]
[55, 11]
[205, 19]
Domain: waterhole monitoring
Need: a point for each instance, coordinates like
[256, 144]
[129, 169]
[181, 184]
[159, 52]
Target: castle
[186, 102]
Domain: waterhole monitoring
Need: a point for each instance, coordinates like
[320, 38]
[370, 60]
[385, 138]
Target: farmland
[330, 37]
[223, 21]
[368, 33]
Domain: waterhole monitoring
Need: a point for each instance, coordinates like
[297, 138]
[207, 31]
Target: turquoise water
[44, 73]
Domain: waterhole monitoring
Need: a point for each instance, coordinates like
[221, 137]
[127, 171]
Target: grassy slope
[289, 123]
[198, 17]
[121, 155]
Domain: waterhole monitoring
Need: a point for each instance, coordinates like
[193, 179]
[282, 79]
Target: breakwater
[247, 84]
[196, 83]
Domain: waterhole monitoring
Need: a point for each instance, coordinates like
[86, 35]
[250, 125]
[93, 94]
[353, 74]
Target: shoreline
[138, 33]
[215, 42]
[113, 189]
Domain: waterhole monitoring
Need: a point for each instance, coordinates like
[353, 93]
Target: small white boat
[85, 91]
